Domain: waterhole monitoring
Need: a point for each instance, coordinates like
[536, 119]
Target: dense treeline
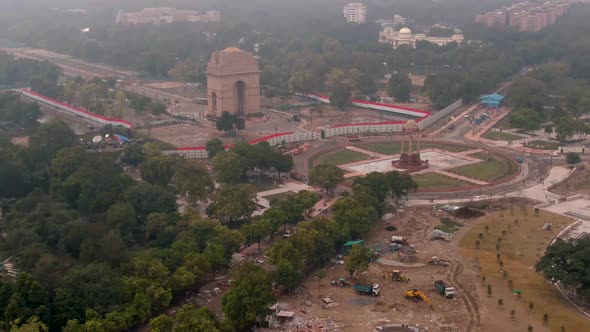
[567, 262]
[95, 250]
[41, 76]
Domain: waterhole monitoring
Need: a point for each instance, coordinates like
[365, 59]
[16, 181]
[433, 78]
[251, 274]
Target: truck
[443, 289]
[367, 289]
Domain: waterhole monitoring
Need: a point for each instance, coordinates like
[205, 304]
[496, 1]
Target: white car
[554, 154]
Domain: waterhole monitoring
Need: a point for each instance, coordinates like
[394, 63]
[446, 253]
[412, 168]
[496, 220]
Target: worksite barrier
[373, 105]
[386, 127]
[200, 152]
[75, 110]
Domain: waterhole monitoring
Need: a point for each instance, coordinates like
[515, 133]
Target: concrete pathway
[539, 192]
[367, 152]
[460, 177]
[468, 152]
[287, 187]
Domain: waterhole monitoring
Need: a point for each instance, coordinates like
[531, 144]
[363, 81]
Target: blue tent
[494, 100]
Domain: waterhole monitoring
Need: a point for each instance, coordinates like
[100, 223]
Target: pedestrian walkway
[461, 177]
[287, 187]
[367, 152]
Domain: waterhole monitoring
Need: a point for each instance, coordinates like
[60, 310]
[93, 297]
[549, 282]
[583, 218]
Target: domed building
[233, 83]
[405, 37]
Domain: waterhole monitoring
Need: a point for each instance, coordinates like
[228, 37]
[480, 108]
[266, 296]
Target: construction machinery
[367, 289]
[395, 275]
[443, 289]
[415, 294]
[341, 282]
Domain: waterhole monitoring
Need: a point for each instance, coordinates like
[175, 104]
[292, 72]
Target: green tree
[132, 154]
[162, 323]
[399, 86]
[357, 260]
[326, 176]
[213, 147]
[193, 181]
[148, 198]
[229, 122]
[227, 167]
[288, 275]
[231, 203]
[355, 217]
[191, 319]
[159, 169]
[282, 162]
[341, 96]
[572, 158]
[249, 297]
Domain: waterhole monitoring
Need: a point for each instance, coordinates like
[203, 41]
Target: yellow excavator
[416, 294]
[395, 275]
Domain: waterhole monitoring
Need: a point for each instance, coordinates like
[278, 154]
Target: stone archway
[240, 101]
[234, 76]
[214, 104]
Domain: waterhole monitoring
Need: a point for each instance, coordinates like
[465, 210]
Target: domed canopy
[405, 31]
[410, 125]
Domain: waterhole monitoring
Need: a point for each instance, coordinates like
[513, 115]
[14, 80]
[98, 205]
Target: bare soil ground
[578, 183]
[364, 313]
[516, 235]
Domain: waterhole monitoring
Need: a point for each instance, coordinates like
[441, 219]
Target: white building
[355, 12]
[405, 37]
[166, 15]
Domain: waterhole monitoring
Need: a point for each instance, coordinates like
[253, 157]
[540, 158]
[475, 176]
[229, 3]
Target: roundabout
[451, 166]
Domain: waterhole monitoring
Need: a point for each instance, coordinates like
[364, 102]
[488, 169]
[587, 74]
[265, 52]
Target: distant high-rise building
[166, 15]
[355, 12]
[528, 16]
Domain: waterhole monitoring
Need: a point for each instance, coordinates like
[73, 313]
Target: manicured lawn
[501, 136]
[339, 157]
[489, 170]
[522, 243]
[543, 145]
[435, 181]
[395, 147]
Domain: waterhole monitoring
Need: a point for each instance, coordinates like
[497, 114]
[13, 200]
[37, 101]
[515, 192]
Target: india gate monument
[233, 83]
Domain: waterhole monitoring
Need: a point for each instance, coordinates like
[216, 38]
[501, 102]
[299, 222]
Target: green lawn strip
[501, 136]
[542, 145]
[395, 148]
[435, 181]
[489, 170]
[339, 157]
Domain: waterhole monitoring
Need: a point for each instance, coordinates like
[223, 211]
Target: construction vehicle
[395, 275]
[443, 289]
[415, 294]
[438, 261]
[341, 282]
[367, 289]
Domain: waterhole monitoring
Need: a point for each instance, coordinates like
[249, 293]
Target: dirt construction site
[339, 308]
[330, 305]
